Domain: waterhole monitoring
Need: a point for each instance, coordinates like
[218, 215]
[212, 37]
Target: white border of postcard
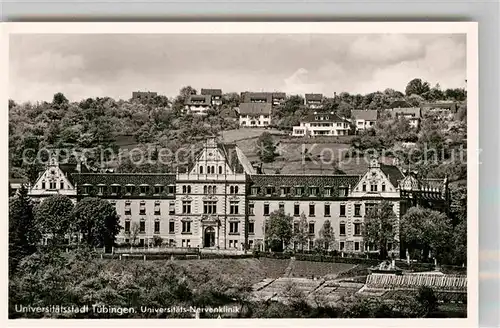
[468, 28]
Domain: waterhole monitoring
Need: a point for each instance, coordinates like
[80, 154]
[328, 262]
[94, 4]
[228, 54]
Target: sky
[100, 65]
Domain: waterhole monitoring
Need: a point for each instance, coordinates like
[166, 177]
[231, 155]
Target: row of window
[357, 246]
[312, 209]
[234, 227]
[311, 228]
[129, 189]
[53, 185]
[298, 191]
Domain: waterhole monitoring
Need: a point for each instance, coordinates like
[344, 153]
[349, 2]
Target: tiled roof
[306, 181]
[393, 173]
[199, 100]
[124, 178]
[232, 159]
[314, 96]
[367, 115]
[255, 108]
[414, 111]
[279, 95]
[211, 92]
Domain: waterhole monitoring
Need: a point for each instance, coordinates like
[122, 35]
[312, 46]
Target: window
[128, 211]
[328, 191]
[144, 190]
[159, 190]
[342, 245]
[236, 189]
[186, 207]
[61, 185]
[269, 191]
[186, 189]
[282, 206]
[127, 226]
[296, 210]
[327, 209]
[171, 208]
[142, 208]
[373, 187]
[285, 191]
[52, 185]
[342, 209]
[101, 190]
[342, 229]
[142, 226]
[295, 227]
[312, 209]
[266, 209]
[130, 190]
[171, 227]
[364, 187]
[233, 207]
[311, 244]
[383, 186]
[231, 190]
[251, 208]
[86, 188]
[357, 229]
[157, 226]
[210, 207]
[201, 169]
[186, 226]
[369, 207]
[343, 192]
[356, 245]
[115, 190]
[233, 227]
[171, 190]
[186, 243]
[299, 191]
[251, 227]
[157, 208]
[313, 191]
[357, 209]
[220, 169]
[255, 190]
[389, 246]
[311, 227]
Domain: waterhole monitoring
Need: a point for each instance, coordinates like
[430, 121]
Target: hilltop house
[412, 114]
[257, 114]
[198, 104]
[140, 95]
[215, 94]
[314, 100]
[444, 110]
[273, 98]
[322, 124]
[364, 119]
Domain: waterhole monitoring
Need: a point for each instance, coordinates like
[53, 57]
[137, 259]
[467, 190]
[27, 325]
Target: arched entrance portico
[209, 237]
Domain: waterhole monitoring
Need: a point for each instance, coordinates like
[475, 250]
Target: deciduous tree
[278, 230]
[53, 217]
[379, 227]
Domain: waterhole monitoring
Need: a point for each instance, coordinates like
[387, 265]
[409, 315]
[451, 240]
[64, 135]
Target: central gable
[377, 180]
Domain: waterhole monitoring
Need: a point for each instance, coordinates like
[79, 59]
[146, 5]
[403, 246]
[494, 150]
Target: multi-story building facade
[257, 114]
[314, 100]
[322, 124]
[364, 119]
[221, 202]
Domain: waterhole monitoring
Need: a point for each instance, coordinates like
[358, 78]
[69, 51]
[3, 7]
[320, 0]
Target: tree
[417, 87]
[427, 300]
[423, 230]
[97, 221]
[379, 227]
[12, 104]
[326, 235]
[265, 148]
[53, 217]
[301, 232]
[23, 232]
[278, 230]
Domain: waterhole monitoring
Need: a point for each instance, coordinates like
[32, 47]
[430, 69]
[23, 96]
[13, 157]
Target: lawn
[306, 269]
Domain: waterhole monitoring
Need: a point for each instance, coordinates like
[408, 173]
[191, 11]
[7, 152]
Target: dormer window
[313, 191]
[129, 189]
[255, 190]
[86, 189]
[328, 191]
[115, 189]
[101, 189]
[269, 191]
[159, 189]
[343, 191]
[299, 191]
[144, 189]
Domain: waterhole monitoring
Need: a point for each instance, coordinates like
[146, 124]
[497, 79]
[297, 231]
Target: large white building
[322, 124]
[364, 119]
[221, 202]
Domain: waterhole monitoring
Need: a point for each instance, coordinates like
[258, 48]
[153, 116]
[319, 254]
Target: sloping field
[307, 269]
[273, 268]
[246, 133]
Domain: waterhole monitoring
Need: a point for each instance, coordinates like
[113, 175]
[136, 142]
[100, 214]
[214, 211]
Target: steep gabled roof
[314, 96]
[367, 115]
[211, 92]
[393, 173]
[255, 108]
[327, 117]
[199, 100]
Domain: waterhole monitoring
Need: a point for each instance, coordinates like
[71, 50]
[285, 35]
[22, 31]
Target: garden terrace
[308, 269]
[274, 268]
[414, 281]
